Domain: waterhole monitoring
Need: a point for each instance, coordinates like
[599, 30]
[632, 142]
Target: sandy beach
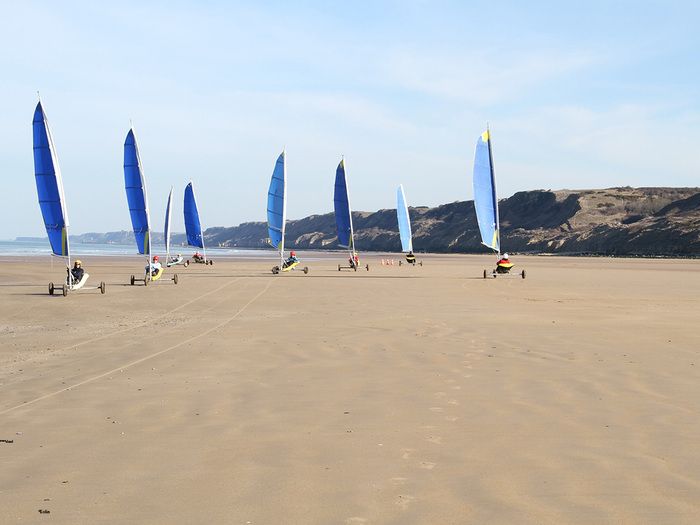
[399, 395]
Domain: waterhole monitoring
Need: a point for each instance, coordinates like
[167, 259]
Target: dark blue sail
[49, 185]
[341, 204]
[193, 227]
[136, 197]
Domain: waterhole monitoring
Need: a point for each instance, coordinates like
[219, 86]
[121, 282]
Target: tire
[354, 268]
[175, 278]
[145, 280]
[275, 270]
[211, 263]
[132, 280]
[102, 287]
[367, 267]
[187, 263]
[50, 288]
[306, 270]
[523, 274]
[65, 291]
[421, 263]
[485, 274]
[338, 267]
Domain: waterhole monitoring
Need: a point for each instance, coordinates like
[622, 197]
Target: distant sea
[26, 248]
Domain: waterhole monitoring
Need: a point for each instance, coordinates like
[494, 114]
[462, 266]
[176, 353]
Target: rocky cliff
[613, 221]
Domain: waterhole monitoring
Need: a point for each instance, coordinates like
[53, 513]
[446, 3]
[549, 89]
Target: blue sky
[577, 94]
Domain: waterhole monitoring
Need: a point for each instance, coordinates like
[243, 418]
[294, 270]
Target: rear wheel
[50, 288]
[132, 280]
[367, 267]
[306, 269]
[338, 267]
[102, 287]
[145, 280]
[523, 274]
[65, 291]
[275, 270]
[175, 278]
[485, 274]
[187, 263]
[400, 263]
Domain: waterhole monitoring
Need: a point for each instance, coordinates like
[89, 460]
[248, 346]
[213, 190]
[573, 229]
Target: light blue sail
[485, 199]
[49, 185]
[166, 228]
[136, 196]
[276, 204]
[193, 227]
[341, 204]
[404, 221]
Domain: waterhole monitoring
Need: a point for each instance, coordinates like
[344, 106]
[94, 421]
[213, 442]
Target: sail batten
[136, 194]
[485, 197]
[49, 184]
[341, 205]
[404, 220]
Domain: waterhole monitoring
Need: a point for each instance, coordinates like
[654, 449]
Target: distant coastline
[631, 222]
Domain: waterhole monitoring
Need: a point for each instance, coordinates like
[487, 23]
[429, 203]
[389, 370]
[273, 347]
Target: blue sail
[168, 216]
[341, 204]
[485, 200]
[193, 228]
[276, 205]
[49, 185]
[136, 197]
[404, 220]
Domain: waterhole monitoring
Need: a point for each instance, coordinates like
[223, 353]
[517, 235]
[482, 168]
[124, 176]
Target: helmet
[292, 253]
[505, 256]
[78, 261]
[155, 258]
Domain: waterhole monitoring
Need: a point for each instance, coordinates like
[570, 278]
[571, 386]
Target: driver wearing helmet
[292, 259]
[504, 265]
[77, 271]
[155, 266]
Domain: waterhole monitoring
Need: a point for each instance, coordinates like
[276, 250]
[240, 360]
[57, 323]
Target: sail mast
[168, 217]
[495, 192]
[284, 203]
[347, 192]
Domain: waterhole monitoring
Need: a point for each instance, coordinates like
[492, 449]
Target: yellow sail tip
[485, 136]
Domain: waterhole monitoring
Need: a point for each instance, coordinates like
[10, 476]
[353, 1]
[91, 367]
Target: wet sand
[399, 395]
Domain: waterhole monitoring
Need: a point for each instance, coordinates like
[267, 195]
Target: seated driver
[292, 259]
[77, 271]
[504, 263]
[410, 258]
[155, 266]
[354, 260]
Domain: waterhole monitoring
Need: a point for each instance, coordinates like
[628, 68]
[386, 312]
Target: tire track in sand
[148, 357]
